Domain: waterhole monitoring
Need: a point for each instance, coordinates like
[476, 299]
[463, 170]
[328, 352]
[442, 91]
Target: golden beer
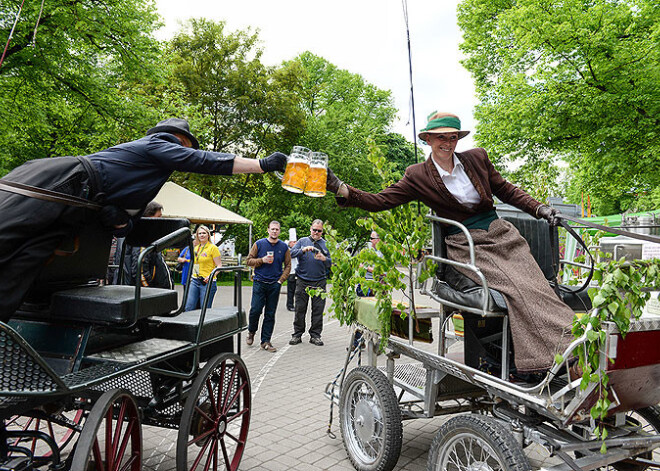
[318, 174]
[295, 175]
[316, 179]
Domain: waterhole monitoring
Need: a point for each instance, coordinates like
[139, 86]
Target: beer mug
[297, 168]
[318, 174]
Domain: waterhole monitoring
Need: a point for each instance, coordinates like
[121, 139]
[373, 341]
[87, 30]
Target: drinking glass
[297, 168]
[318, 174]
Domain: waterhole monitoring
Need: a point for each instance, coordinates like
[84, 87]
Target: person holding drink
[460, 186]
[313, 263]
[271, 260]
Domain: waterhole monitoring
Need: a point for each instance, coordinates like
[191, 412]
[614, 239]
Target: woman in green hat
[460, 186]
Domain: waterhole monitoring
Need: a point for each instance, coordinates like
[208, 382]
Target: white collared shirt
[458, 183]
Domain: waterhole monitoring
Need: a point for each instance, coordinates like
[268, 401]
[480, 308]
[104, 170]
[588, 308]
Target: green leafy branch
[619, 298]
[404, 233]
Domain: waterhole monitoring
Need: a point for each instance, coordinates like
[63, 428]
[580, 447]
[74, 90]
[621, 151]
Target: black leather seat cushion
[217, 323]
[110, 304]
[579, 302]
[470, 297]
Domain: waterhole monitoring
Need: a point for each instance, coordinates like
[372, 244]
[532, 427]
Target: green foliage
[404, 233]
[74, 87]
[619, 299]
[577, 80]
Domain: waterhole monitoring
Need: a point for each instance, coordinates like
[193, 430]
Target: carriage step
[412, 377]
[139, 352]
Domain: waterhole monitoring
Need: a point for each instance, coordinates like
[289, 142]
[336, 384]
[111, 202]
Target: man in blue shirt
[271, 260]
[313, 263]
[122, 180]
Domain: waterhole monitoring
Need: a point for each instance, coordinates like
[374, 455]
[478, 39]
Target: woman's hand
[548, 213]
[333, 183]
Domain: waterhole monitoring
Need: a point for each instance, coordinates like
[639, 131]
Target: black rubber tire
[114, 406]
[650, 415]
[485, 434]
[369, 407]
[216, 415]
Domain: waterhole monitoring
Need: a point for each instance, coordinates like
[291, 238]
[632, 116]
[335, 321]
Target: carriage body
[86, 364]
[506, 413]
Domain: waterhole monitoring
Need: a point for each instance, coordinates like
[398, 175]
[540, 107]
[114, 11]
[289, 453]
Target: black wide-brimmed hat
[175, 125]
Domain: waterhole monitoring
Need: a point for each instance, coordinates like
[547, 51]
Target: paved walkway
[290, 412]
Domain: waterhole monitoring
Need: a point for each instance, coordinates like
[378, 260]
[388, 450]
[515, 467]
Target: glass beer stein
[297, 168]
[318, 174]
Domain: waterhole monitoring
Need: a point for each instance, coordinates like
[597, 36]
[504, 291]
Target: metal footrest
[140, 351]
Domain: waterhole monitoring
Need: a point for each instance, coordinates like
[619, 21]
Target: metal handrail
[170, 239]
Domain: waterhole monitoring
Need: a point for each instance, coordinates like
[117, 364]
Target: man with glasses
[313, 263]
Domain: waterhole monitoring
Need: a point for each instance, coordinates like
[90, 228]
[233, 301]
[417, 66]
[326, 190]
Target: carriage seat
[469, 294]
[111, 304]
[218, 322]
[453, 286]
[68, 287]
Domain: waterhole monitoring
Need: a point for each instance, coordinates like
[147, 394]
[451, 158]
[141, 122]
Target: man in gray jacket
[313, 263]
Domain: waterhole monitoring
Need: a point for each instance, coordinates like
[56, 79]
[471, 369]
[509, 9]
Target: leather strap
[613, 230]
[47, 195]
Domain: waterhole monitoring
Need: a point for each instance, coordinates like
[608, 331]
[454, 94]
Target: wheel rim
[467, 452]
[118, 448]
[111, 439]
[216, 424]
[364, 422]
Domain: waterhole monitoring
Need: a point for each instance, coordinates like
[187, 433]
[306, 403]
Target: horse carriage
[85, 365]
[497, 417]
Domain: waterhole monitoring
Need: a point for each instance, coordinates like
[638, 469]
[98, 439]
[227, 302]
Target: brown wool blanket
[540, 322]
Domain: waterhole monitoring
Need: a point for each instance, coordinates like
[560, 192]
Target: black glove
[332, 183]
[548, 213]
[113, 217]
[274, 162]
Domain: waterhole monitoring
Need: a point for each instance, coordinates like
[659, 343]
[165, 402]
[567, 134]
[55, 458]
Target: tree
[578, 80]
[238, 105]
[342, 114]
[67, 86]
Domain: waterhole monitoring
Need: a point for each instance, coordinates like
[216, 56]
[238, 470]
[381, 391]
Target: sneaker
[250, 338]
[268, 347]
[295, 340]
[316, 341]
[292, 309]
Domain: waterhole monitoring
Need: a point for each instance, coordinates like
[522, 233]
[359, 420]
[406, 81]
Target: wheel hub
[479, 466]
[365, 418]
[222, 426]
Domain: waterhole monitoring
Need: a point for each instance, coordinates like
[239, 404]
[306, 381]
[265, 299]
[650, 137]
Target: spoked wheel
[475, 442]
[370, 420]
[648, 420]
[111, 439]
[216, 417]
[62, 427]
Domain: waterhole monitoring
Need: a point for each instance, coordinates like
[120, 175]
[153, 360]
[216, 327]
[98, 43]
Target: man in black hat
[122, 180]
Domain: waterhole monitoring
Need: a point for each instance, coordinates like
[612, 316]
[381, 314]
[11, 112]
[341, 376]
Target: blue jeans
[264, 295]
[197, 292]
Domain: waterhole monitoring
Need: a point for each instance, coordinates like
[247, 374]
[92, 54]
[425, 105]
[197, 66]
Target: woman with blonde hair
[205, 258]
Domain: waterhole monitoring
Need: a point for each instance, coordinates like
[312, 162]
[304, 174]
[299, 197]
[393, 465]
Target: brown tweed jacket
[423, 182]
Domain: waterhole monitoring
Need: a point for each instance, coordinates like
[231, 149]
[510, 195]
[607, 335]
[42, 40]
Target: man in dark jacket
[121, 180]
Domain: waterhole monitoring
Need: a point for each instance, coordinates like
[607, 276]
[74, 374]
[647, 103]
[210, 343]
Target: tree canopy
[67, 80]
[578, 80]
